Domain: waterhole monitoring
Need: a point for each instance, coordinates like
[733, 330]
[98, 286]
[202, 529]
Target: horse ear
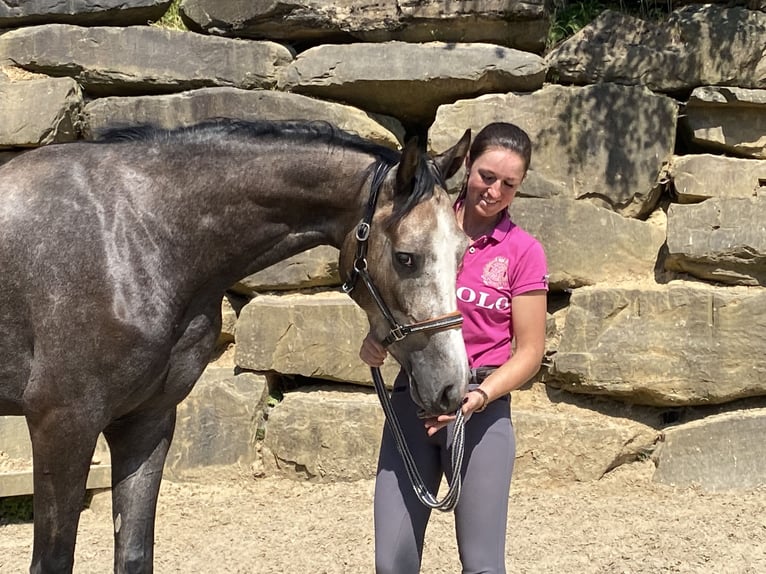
[451, 160]
[408, 164]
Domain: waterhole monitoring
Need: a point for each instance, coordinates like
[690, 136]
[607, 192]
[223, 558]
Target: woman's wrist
[484, 397]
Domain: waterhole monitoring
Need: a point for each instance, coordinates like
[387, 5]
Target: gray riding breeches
[482, 512]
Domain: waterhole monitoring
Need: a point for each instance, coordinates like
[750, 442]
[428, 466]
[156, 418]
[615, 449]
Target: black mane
[216, 129]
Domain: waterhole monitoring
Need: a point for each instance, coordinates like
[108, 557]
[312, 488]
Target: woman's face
[493, 179]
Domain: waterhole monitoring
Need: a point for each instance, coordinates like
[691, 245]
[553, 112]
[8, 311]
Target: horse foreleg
[138, 445]
[62, 447]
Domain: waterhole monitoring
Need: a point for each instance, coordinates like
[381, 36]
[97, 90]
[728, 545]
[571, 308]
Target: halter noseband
[359, 269]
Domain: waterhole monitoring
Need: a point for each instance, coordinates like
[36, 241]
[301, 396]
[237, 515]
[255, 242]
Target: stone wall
[647, 189]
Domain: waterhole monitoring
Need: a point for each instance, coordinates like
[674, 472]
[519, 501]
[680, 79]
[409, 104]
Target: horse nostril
[450, 400]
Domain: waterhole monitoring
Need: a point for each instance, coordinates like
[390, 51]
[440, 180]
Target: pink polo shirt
[496, 268]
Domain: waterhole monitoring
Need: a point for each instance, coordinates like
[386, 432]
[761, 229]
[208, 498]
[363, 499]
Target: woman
[502, 291]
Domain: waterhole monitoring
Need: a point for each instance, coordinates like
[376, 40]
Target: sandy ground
[622, 524]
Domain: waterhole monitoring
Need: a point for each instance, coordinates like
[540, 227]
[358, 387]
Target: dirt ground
[234, 523]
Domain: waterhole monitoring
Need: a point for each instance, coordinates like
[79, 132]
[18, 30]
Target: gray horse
[115, 256]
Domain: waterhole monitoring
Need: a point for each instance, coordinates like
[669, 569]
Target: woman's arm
[529, 318]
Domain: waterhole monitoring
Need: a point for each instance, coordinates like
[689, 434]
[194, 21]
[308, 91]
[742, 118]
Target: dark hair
[503, 135]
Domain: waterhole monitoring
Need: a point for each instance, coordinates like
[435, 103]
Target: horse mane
[427, 175]
[228, 128]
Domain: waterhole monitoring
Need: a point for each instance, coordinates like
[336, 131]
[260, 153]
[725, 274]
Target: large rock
[316, 335]
[663, 345]
[316, 267]
[142, 59]
[719, 452]
[188, 108]
[409, 81]
[517, 24]
[702, 176]
[17, 13]
[558, 441]
[520, 24]
[39, 111]
[603, 246]
[324, 434]
[327, 434]
[219, 422]
[719, 240]
[728, 120]
[604, 143]
[697, 45]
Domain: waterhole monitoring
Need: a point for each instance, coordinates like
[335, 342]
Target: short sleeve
[531, 270]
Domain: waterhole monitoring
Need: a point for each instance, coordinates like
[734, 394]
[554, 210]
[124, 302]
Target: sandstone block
[17, 13]
[16, 460]
[142, 59]
[696, 45]
[604, 143]
[39, 111]
[324, 434]
[333, 433]
[316, 267]
[728, 120]
[663, 345]
[568, 444]
[409, 81]
[698, 177]
[316, 335]
[21, 482]
[603, 246]
[715, 453]
[218, 423]
[719, 240]
[523, 24]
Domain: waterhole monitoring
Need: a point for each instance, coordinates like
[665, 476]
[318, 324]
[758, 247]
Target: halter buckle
[397, 334]
[363, 231]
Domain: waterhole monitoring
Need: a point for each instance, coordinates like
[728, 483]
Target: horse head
[412, 251]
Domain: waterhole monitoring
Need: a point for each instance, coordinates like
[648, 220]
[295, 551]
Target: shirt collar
[502, 228]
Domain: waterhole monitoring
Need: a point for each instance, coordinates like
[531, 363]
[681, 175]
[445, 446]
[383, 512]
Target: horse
[116, 253]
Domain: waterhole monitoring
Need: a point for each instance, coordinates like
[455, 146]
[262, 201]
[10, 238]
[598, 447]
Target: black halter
[359, 269]
[397, 333]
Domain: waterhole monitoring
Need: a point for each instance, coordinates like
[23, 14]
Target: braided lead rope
[457, 450]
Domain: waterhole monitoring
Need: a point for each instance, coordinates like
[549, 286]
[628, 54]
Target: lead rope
[457, 449]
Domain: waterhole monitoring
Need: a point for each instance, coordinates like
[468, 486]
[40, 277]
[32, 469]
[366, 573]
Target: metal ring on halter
[360, 264]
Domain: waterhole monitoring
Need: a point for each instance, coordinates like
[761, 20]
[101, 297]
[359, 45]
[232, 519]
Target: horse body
[115, 257]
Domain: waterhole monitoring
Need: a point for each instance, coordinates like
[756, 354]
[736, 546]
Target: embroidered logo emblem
[495, 273]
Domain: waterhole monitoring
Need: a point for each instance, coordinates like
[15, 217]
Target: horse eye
[405, 259]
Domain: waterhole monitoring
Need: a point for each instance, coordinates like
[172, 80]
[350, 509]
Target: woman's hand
[472, 402]
[372, 352]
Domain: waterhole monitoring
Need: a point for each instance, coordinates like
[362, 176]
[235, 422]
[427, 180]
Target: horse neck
[257, 207]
